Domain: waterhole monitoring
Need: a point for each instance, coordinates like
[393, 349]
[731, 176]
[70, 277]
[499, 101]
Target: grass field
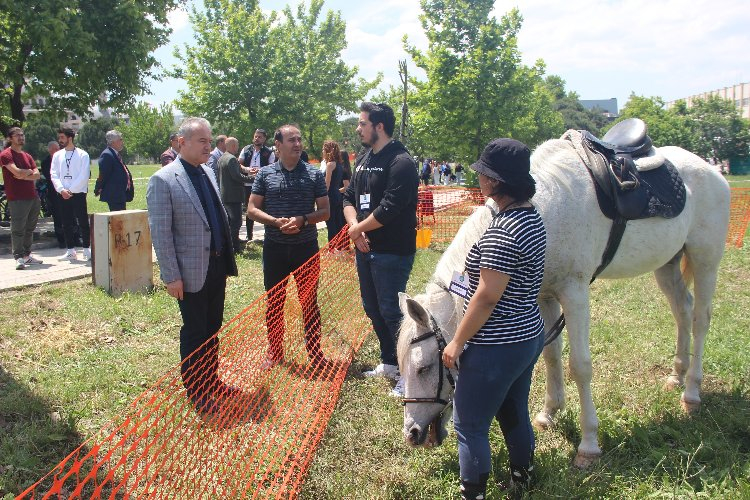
[71, 357]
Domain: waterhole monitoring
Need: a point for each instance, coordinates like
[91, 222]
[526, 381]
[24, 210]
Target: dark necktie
[213, 215]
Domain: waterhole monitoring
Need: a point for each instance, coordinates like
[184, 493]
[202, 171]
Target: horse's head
[428, 385]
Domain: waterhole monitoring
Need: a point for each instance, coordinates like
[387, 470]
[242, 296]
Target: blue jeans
[493, 383]
[381, 277]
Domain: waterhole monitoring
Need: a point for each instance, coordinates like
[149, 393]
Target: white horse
[577, 233]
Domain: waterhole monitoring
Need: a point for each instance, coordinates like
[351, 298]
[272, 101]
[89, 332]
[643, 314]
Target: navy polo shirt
[290, 193]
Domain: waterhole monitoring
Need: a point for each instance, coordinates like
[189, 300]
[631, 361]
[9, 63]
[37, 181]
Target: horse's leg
[554, 397]
[575, 304]
[705, 267]
[670, 281]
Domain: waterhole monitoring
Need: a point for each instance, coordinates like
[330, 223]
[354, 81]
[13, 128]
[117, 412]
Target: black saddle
[621, 189]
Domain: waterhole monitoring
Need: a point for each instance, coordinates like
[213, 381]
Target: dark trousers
[74, 210]
[494, 384]
[202, 316]
[53, 200]
[24, 214]
[248, 221]
[114, 207]
[381, 277]
[234, 211]
[334, 224]
[279, 261]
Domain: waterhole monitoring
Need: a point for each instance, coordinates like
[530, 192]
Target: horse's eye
[422, 369]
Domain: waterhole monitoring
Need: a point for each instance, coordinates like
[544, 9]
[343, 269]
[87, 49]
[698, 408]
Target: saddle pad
[666, 193]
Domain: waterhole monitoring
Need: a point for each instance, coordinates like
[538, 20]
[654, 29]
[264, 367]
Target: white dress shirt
[71, 170]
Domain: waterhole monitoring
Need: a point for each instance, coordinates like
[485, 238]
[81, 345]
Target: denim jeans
[381, 277]
[493, 383]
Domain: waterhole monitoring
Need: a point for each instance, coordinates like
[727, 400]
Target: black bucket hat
[506, 160]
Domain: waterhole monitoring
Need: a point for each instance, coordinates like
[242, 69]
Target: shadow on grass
[33, 438]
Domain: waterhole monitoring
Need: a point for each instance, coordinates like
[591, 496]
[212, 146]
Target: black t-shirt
[390, 178]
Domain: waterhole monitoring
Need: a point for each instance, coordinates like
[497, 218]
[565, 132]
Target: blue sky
[601, 48]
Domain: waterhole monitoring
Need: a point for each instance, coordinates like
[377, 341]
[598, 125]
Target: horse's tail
[686, 268]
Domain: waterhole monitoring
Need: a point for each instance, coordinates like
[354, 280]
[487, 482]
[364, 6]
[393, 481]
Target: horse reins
[443, 372]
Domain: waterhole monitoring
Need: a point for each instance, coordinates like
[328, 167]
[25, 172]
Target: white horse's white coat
[577, 233]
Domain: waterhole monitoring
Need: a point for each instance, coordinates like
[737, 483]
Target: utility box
[121, 250]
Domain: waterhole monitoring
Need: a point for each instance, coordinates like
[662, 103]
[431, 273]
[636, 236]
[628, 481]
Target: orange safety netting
[443, 209]
[739, 216]
[258, 428]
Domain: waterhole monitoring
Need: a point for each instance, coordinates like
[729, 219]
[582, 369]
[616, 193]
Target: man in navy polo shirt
[289, 198]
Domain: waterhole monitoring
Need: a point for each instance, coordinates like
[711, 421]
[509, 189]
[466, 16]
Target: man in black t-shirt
[380, 206]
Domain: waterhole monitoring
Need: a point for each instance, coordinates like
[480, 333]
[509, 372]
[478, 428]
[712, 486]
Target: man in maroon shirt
[19, 175]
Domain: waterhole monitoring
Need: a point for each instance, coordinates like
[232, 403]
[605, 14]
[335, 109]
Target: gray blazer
[231, 179]
[179, 227]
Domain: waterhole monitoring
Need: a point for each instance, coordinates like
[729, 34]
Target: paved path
[55, 269]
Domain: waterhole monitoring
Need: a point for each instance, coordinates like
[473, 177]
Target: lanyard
[68, 160]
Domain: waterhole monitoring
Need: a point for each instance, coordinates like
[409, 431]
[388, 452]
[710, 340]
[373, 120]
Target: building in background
[739, 93]
[73, 120]
[608, 107]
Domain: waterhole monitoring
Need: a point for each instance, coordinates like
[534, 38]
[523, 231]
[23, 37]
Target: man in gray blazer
[232, 183]
[191, 236]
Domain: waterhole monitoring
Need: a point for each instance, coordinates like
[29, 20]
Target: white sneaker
[383, 370]
[86, 254]
[398, 391]
[20, 264]
[70, 255]
[29, 260]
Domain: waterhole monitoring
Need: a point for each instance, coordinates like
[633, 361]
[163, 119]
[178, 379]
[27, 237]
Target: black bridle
[437, 334]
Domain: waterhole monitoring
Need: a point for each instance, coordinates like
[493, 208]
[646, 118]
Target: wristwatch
[304, 220]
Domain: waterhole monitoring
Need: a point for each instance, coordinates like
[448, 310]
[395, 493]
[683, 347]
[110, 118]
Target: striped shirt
[514, 244]
[289, 194]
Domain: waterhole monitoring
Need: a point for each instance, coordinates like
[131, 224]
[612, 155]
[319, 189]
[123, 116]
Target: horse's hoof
[690, 407]
[672, 383]
[585, 460]
[543, 421]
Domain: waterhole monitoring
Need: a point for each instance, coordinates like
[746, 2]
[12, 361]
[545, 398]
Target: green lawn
[71, 358]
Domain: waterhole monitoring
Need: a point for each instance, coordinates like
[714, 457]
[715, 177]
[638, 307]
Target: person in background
[347, 177]
[171, 152]
[232, 183]
[53, 197]
[219, 150]
[19, 175]
[70, 172]
[501, 333]
[190, 233]
[254, 157]
[115, 182]
[334, 174]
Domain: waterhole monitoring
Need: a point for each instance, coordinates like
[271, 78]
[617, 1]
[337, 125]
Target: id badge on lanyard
[364, 202]
[459, 285]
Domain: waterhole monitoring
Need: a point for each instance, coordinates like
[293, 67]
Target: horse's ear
[414, 310]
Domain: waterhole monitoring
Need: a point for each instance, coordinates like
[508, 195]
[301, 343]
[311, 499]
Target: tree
[574, 115]
[665, 127]
[147, 134]
[476, 88]
[78, 53]
[720, 132]
[250, 69]
[92, 135]
[40, 129]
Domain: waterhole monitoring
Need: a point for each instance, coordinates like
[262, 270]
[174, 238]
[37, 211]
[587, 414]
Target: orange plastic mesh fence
[739, 216]
[250, 432]
[444, 209]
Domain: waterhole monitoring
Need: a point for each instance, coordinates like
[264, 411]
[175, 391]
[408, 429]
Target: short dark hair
[380, 113]
[261, 131]
[69, 132]
[520, 192]
[172, 136]
[13, 131]
[279, 135]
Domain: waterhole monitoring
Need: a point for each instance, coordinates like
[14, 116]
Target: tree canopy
[251, 69]
[147, 134]
[77, 53]
[476, 88]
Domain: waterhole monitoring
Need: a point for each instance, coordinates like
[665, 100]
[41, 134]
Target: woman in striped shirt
[501, 334]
